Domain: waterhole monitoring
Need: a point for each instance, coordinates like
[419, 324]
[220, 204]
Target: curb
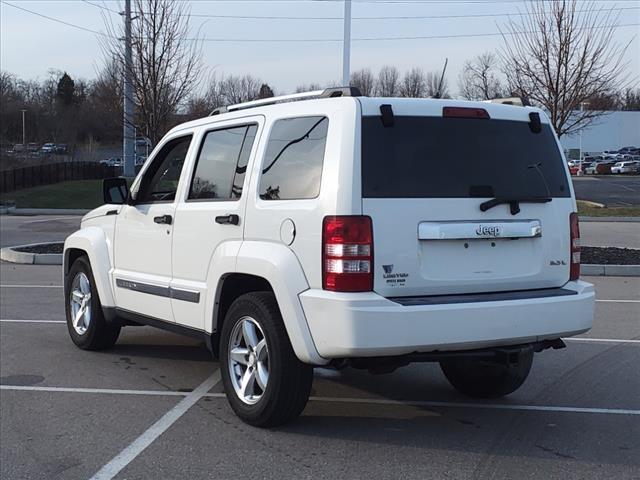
[610, 270]
[610, 219]
[8, 254]
[593, 204]
[44, 211]
[7, 210]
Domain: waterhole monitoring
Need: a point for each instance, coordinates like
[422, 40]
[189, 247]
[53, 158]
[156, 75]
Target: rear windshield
[435, 157]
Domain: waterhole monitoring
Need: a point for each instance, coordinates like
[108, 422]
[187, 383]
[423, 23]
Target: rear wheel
[85, 321]
[487, 379]
[264, 381]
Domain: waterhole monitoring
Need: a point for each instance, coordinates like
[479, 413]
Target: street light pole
[582, 104]
[129, 135]
[24, 130]
[346, 45]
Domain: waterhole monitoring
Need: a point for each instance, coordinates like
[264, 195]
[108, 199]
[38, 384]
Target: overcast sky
[32, 45]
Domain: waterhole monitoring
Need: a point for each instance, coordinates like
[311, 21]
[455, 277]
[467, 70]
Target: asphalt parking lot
[152, 407]
[20, 230]
[613, 191]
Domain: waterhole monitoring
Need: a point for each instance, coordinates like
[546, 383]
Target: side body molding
[280, 266]
[93, 241]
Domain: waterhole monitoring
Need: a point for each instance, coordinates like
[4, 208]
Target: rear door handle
[163, 219]
[232, 219]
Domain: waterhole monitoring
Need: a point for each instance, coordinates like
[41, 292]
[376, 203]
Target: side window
[160, 182]
[292, 166]
[222, 164]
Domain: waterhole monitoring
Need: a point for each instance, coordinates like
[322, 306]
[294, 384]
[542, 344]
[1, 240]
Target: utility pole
[24, 130]
[346, 45]
[582, 105]
[129, 134]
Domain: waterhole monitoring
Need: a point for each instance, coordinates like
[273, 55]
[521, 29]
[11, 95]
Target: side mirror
[115, 190]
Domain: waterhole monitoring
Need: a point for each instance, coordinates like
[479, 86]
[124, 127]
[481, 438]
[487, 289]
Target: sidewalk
[610, 234]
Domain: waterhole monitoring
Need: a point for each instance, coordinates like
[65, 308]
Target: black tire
[487, 379]
[99, 334]
[289, 380]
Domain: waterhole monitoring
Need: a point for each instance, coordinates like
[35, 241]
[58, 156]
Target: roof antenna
[444, 69]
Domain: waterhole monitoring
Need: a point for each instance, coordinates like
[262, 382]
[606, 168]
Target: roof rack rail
[326, 93]
[517, 101]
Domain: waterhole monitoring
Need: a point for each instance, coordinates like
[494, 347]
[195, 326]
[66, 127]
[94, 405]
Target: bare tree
[436, 85]
[388, 84]
[414, 84]
[308, 88]
[106, 98]
[229, 90]
[631, 99]
[364, 81]
[240, 89]
[479, 78]
[167, 62]
[561, 54]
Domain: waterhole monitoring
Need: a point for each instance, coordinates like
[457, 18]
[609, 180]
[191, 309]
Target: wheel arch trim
[93, 242]
[280, 268]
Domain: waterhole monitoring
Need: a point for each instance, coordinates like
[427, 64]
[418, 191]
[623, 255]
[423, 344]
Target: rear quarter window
[292, 166]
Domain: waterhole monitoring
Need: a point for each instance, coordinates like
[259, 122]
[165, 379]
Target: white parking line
[626, 188]
[599, 340]
[370, 401]
[30, 286]
[618, 301]
[127, 455]
[111, 391]
[44, 220]
[11, 320]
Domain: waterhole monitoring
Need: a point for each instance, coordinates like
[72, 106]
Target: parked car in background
[112, 162]
[602, 167]
[629, 150]
[48, 148]
[625, 167]
[18, 148]
[584, 166]
[61, 148]
[591, 169]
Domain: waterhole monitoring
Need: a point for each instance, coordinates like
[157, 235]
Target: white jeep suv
[331, 229]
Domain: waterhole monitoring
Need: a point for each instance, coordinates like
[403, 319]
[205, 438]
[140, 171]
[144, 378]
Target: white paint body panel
[143, 254]
[457, 266]
[367, 324]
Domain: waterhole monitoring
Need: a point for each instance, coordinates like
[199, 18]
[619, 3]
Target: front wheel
[265, 383]
[487, 379]
[86, 324]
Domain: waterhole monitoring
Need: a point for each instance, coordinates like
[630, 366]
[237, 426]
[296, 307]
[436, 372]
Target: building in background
[611, 131]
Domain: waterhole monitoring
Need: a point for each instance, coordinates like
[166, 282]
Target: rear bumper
[366, 324]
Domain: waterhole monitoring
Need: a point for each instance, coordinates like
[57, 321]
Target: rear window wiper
[514, 202]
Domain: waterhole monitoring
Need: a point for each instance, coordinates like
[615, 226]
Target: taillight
[347, 254]
[574, 227]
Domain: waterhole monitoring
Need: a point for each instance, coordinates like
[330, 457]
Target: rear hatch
[433, 187]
